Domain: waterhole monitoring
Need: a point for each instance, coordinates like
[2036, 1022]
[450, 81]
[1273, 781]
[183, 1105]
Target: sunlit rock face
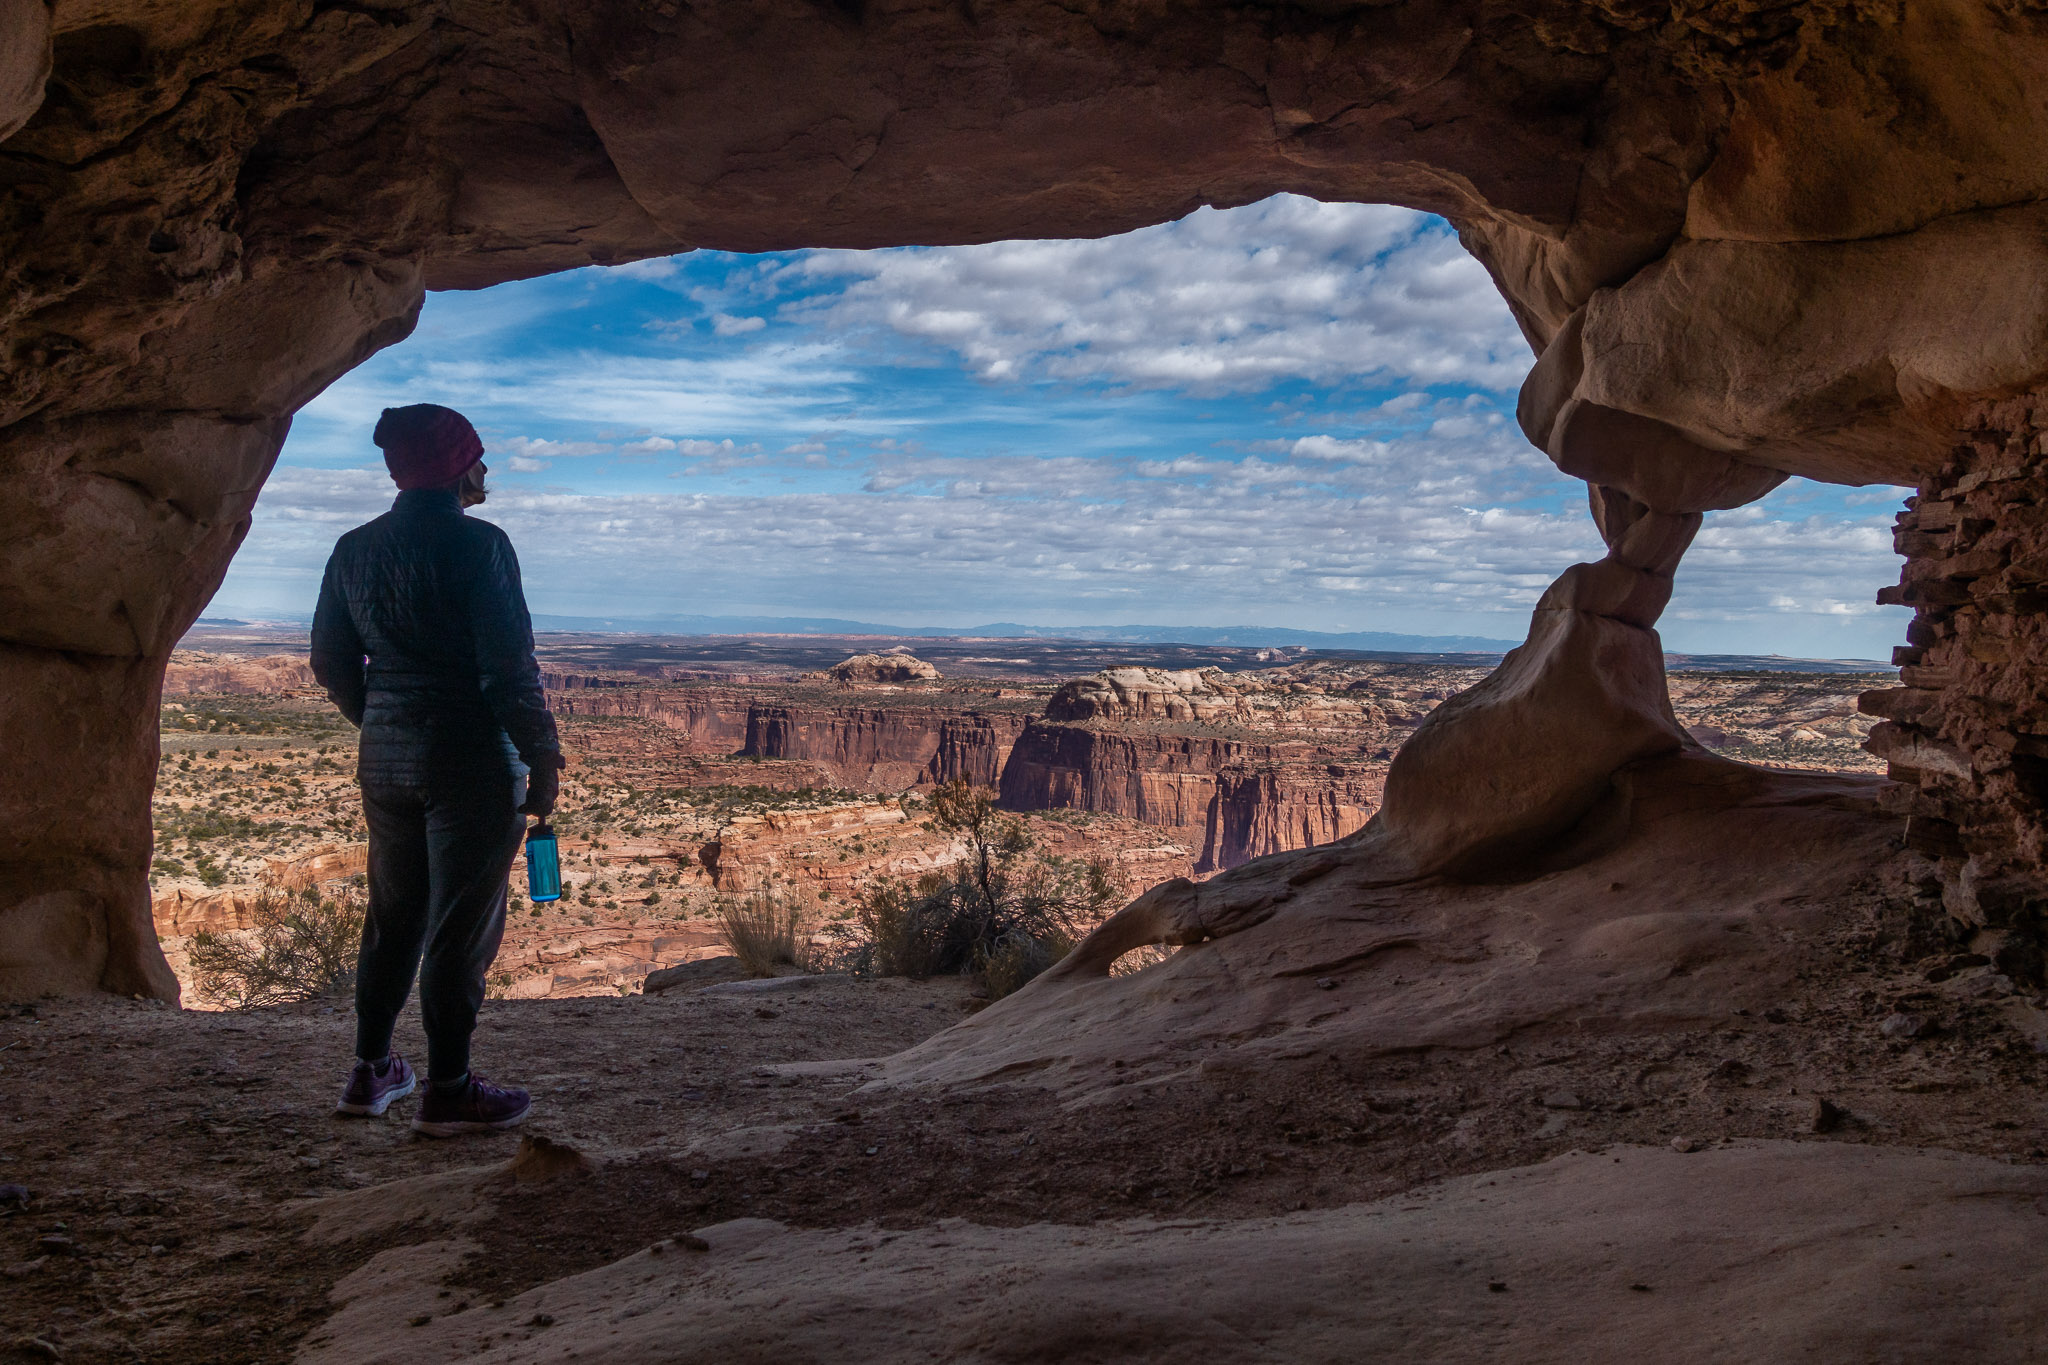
[882, 668]
[1146, 694]
[1742, 240]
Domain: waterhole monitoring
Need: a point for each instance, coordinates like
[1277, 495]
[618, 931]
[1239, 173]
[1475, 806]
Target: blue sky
[1291, 414]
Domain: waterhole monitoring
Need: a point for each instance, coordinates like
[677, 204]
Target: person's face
[471, 490]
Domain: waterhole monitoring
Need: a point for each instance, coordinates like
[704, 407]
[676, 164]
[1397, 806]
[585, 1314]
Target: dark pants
[439, 856]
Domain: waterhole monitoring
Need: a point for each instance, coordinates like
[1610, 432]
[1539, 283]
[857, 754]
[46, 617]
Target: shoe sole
[456, 1127]
[376, 1108]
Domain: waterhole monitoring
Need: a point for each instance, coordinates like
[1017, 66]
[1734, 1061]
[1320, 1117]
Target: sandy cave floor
[177, 1161]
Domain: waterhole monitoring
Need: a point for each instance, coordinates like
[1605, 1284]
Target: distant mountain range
[1244, 636]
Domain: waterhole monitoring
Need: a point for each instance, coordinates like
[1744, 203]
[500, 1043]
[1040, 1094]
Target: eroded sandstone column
[1498, 774]
[121, 524]
[1966, 735]
[1497, 777]
[124, 524]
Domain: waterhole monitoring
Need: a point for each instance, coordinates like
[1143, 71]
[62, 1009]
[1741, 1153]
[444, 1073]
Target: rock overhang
[1743, 243]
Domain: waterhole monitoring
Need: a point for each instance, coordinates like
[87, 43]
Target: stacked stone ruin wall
[1965, 736]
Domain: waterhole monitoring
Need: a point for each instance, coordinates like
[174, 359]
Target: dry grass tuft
[765, 930]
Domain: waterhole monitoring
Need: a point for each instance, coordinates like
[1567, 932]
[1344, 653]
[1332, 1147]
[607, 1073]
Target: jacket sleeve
[506, 670]
[337, 653]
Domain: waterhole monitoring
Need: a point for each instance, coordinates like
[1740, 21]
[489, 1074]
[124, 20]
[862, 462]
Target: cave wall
[1744, 240]
[1966, 735]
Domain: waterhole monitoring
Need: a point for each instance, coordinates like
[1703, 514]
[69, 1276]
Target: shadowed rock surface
[1764, 1251]
[1672, 909]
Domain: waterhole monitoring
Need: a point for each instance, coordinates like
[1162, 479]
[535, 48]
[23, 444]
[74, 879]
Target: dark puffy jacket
[451, 688]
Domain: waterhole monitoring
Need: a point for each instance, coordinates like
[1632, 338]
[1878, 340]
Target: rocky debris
[1905, 1026]
[541, 1159]
[882, 668]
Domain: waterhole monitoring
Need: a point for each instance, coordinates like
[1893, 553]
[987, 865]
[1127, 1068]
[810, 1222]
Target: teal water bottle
[543, 864]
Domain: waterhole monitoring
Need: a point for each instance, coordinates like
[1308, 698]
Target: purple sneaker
[477, 1108]
[369, 1094]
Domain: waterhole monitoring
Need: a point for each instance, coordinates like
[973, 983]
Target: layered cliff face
[875, 748]
[1227, 800]
[1249, 777]
[879, 746]
[1236, 765]
[1275, 806]
[1163, 779]
[712, 719]
[193, 672]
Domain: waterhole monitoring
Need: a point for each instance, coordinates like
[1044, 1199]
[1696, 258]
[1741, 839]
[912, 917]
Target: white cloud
[804, 385]
[653, 445]
[655, 268]
[521, 464]
[1334, 448]
[1405, 542]
[535, 447]
[726, 325]
[1286, 289]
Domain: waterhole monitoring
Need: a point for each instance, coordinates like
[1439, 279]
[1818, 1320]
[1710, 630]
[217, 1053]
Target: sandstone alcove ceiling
[1744, 242]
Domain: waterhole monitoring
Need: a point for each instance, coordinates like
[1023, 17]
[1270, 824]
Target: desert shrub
[1019, 957]
[300, 947]
[764, 929]
[1005, 909]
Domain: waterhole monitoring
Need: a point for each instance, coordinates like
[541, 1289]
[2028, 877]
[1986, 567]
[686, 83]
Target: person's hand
[543, 788]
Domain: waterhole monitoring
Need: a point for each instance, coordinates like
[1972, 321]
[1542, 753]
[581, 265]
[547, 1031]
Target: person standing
[423, 641]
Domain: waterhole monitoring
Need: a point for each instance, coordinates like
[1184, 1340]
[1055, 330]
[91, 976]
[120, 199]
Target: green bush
[299, 948]
[1004, 909]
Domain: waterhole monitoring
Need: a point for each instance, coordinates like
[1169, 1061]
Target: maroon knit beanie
[426, 445]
